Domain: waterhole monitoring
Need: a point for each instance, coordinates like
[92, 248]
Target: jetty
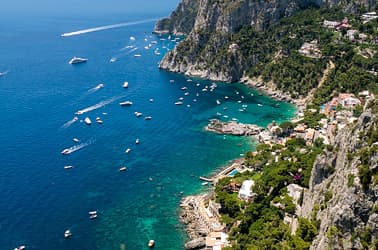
[233, 128]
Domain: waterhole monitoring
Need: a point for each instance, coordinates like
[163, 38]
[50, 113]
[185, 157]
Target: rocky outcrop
[345, 206]
[209, 25]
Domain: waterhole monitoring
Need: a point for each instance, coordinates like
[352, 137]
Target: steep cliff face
[209, 25]
[343, 192]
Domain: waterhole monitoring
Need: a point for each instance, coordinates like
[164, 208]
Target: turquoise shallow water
[42, 92]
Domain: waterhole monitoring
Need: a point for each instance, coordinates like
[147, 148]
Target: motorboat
[93, 216]
[148, 117]
[20, 248]
[127, 150]
[113, 59]
[226, 97]
[181, 98]
[218, 102]
[137, 55]
[66, 151]
[87, 121]
[137, 141]
[68, 167]
[204, 183]
[138, 114]
[126, 103]
[151, 100]
[67, 234]
[260, 105]
[178, 103]
[125, 84]
[122, 169]
[92, 212]
[76, 140]
[184, 88]
[77, 60]
[151, 243]
[98, 120]
[186, 93]
[132, 38]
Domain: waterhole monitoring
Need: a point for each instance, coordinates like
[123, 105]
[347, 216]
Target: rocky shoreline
[233, 128]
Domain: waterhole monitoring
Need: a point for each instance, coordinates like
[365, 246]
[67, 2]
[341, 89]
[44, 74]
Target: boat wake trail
[120, 55]
[98, 105]
[106, 27]
[77, 147]
[94, 89]
[69, 123]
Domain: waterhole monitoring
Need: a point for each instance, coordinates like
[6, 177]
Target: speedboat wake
[106, 27]
[98, 105]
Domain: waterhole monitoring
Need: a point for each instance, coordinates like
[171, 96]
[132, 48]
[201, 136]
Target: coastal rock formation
[207, 51]
[232, 128]
[343, 193]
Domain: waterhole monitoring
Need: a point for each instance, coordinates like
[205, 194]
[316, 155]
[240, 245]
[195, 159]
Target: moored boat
[148, 117]
[127, 150]
[178, 103]
[67, 234]
[68, 167]
[125, 84]
[137, 141]
[87, 121]
[122, 169]
[151, 243]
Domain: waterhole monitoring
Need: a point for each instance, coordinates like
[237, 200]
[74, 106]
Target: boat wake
[120, 55]
[98, 105]
[92, 90]
[4, 73]
[74, 148]
[69, 123]
[106, 27]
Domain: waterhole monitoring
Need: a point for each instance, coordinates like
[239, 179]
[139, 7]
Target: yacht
[87, 121]
[126, 103]
[122, 169]
[127, 150]
[148, 117]
[138, 114]
[125, 84]
[67, 233]
[137, 141]
[178, 103]
[68, 167]
[218, 102]
[76, 60]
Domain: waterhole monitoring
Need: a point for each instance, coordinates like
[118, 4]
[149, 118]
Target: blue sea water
[40, 95]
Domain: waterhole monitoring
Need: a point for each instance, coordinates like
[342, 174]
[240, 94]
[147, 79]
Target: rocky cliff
[343, 188]
[209, 24]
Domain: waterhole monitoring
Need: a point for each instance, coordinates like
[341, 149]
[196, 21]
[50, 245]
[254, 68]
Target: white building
[216, 241]
[245, 192]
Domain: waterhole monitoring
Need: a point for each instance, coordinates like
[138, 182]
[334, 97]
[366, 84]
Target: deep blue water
[41, 92]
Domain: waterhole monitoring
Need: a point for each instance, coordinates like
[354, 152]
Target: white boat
[151, 243]
[122, 169]
[137, 55]
[151, 100]
[148, 117]
[194, 100]
[132, 38]
[204, 183]
[184, 88]
[178, 103]
[239, 101]
[87, 121]
[137, 141]
[186, 93]
[125, 84]
[260, 105]
[20, 248]
[188, 106]
[218, 102]
[76, 60]
[76, 140]
[98, 120]
[92, 212]
[171, 81]
[127, 150]
[181, 98]
[93, 216]
[126, 103]
[113, 59]
[3, 73]
[138, 114]
[226, 97]
[189, 80]
[68, 167]
[198, 84]
[67, 234]
[204, 89]
[66, 151]
[101, 85]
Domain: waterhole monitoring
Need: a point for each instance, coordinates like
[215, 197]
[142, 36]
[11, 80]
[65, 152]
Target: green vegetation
[261, 221]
